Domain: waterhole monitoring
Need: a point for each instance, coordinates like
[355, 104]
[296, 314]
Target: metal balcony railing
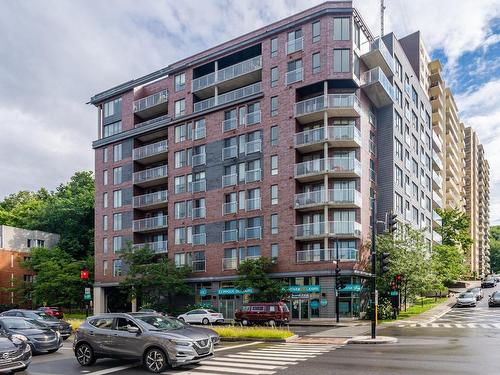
[253, 146]
[294, 76]
[253, 204]
[229, 124]
[229, 180]
[150, 101]
[199, 239]
[150, 174]
[150, 150]
[157, 246]
[253, 233]
[229, 208]
[228, 97]
[229, 152]
[151, 199]
[230, 235]
[150, 223]
[332, 101]
[197, 186]
[325, 255]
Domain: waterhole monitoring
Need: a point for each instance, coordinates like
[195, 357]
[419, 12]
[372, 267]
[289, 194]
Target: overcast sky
[55, 54]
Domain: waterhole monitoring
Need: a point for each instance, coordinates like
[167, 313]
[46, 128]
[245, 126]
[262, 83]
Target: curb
[235, 339]
[369, 340]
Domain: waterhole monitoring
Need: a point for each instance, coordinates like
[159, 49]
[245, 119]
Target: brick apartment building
[15, 245]
[265, 145]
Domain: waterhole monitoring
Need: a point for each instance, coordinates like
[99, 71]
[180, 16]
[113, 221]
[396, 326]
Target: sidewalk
[328, 322]
[428, 316]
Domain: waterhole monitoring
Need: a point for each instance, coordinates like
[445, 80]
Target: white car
[203, 316]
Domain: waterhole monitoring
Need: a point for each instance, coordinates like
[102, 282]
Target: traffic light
[84, 274]
[392, 223]
[384, 262]
[337, 272]
[398, 279]
[340, 284]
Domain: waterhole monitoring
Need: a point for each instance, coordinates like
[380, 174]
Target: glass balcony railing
[253, 118]
[233, 71]
[345, 228]
[229, 152]
[229, 264]
[229, 124]
[198, 159]
[150, 150]
[253, 233]
[156, 247]
[229, 180]
[199, 212]
[253, 175]
[253, 146]
[150, 174]
[151, 199]
[230, 235]
[325, 255]
[252, 204]
[197, 186]
[310, 106]
[310, 136]
[376, 75]
[229, 208]
[330, 165]
[155, 120]
[437, 161]
[150, 101]
[333, 101]
[199, 239]
[378, 44]
[294, 45]
[344, 133]
[294, 76]
[334, 196]
[310, 230]
[198, 265]
[437, 178]
[150, 223]
[228, 97]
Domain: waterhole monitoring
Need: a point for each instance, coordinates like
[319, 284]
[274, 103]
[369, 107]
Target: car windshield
[17, 324]
[473, 290]
[37, 323]
[212, 311]
[466, 295]
[40, 315]
[160, 323]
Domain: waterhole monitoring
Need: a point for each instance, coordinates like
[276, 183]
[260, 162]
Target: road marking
[215, 362]
[447, 325]
[234, 370]
[278, 352]
[269, 357]
[485, 325]
[471, 325]
[434, 325]
[258, 361]
[113, 369]
[309, 351]
[237, 346]
[459, 325]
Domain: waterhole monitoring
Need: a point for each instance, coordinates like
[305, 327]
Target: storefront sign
[300, 296]
[323, 302]
[233, 291]
[356, 288]
[303, 289]
[314, 304]
[203, 292]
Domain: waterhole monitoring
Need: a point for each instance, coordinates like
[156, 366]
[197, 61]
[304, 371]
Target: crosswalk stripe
[471, 325]
[184, 371]
[485, 325]
[435, 325]
[295, 350]
[214, 362]
[277, 352]
[459, 325]
[497, 325]
[258, 361]
[235, 370]
[447, 325]
[277, 357]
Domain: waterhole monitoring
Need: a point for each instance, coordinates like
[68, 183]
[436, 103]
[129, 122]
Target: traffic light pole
[337, 290]
[374, 271]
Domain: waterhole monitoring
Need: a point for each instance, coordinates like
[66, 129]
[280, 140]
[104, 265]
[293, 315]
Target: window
[104, 222]
[117, 244]
[399, 176]
[274, 76]
[180, 82]
[112, 107]
[180, 184]
[414, 96]
[356, 35]
[117, 175]
[414, 190]
[274, 165]
[117, 221]
[316, 62]
[104, 200]
[105, 155]
[356, 65]
[399, 149]
[181, 158]
[183, 259]
[399, 69]
[180, 210]
[117, 152]
[341, 29]
[180, 236]
[117, 198]
[104, 267]
[183, 132]
[105, 245]
[373, 176]
[398, 121]
[274, 106]
[274, 224]
[399, 204]
[274, 194]
[274, 251]
[274, 135]
[199, 130]
[341, 60]
[316, 31]
[117, 268]
[180, 108]
[399, 95]
[294, 71]
[111, 129]
[274, 47]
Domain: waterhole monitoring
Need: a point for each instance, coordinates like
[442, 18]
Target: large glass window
[117, 175]
[316, 62]
[341, 29]
[117, 267]
[180, 108]
[316, 31]
[274, 47]
[274, 76]
[341, 60]
[117, 221]
[117, 198]
[180, 82]
[111, 129]
[117, 152]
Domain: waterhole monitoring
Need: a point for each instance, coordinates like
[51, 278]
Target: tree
[57, 280]
[455, 228]
[254, 273]
[152, 278]
[448, 263]
[495, 249]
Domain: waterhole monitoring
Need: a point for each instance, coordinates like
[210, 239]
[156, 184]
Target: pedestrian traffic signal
[337, 272]
[384, 262]
[340, 284]
[398, 279]
[392, 223]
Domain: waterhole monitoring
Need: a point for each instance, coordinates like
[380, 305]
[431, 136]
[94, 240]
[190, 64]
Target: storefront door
[227, 307]
[300, 309]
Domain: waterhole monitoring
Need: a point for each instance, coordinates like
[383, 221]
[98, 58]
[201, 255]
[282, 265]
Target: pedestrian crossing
[451, 325]
[265, 360]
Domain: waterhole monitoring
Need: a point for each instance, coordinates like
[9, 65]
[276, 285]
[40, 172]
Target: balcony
[294, 45]
[252, 204]
[253, 175]
[437, 181]
[334, 167]
[228, 97]
[327, 255]
[198, 265]
[151, 153]
[150, 224]
[151, 201]
[199, 213]
[157, 247]
[253, 233]
[253, 118]
[379, 56]
[293, 76]
[436, 237]
[198, 186]
[253, 146]
[230, 235]
[151, 177]
[229, 180]
[199, 239]
[229, 124]
[377, 87]
[437, 163]
[336, 105]
[437, 202]
[336, 136]
[164, 118]
[229, 152]
[339, 198]
[437, 116]
[152, 105]
[229, 208]
[198, 159]
[229, 78]
[437, 144]
[436, 219]
[229, 264]
[337, 229]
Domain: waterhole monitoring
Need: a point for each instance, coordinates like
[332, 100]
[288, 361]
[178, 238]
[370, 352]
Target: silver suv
[157, 341]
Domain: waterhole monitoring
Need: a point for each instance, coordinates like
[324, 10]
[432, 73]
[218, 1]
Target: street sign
[394, 293]
[87, 297]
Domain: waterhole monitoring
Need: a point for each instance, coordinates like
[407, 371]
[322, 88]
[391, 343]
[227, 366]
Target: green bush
[252, 332]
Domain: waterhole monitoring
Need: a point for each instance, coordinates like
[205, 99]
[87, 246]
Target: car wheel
[205, 321]
[85, 355]
[244, 322]
[182, 320]
[272, 323]
[155, 360]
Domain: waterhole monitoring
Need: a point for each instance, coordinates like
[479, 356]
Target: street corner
[370, 340]
[320, 340]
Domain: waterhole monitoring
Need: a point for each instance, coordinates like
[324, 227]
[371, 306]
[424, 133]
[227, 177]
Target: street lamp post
[374, 271]
[337, 290]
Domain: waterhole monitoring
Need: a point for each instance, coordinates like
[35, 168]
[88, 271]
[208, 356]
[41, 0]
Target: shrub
[253, 332]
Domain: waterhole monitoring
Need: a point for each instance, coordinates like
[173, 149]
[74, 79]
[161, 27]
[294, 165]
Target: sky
[55, 54]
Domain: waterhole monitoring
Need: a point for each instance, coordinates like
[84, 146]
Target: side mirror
[132, 329]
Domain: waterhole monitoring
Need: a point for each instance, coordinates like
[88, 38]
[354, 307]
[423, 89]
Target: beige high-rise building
[477, 202]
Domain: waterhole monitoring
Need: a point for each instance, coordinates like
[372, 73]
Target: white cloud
[55, 54]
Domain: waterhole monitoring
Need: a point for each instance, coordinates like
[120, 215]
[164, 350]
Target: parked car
[494, 299]
[214, 336]
[203, 316]
[488, 283]
[63, 327]
[14, 352]
[41, 338]
[478, 293]
[466, 299]
[56, 312]
[157, 341]
[274, 313]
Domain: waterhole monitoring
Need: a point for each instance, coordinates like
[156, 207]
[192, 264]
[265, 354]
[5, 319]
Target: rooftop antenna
[382, 9]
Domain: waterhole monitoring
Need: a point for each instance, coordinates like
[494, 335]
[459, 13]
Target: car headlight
[27, 349]
[20, 337]
[58, 334]
[181, 342]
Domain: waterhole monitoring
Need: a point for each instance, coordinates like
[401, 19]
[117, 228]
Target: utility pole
[337, 285]
[382, 9]
[374, 271]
